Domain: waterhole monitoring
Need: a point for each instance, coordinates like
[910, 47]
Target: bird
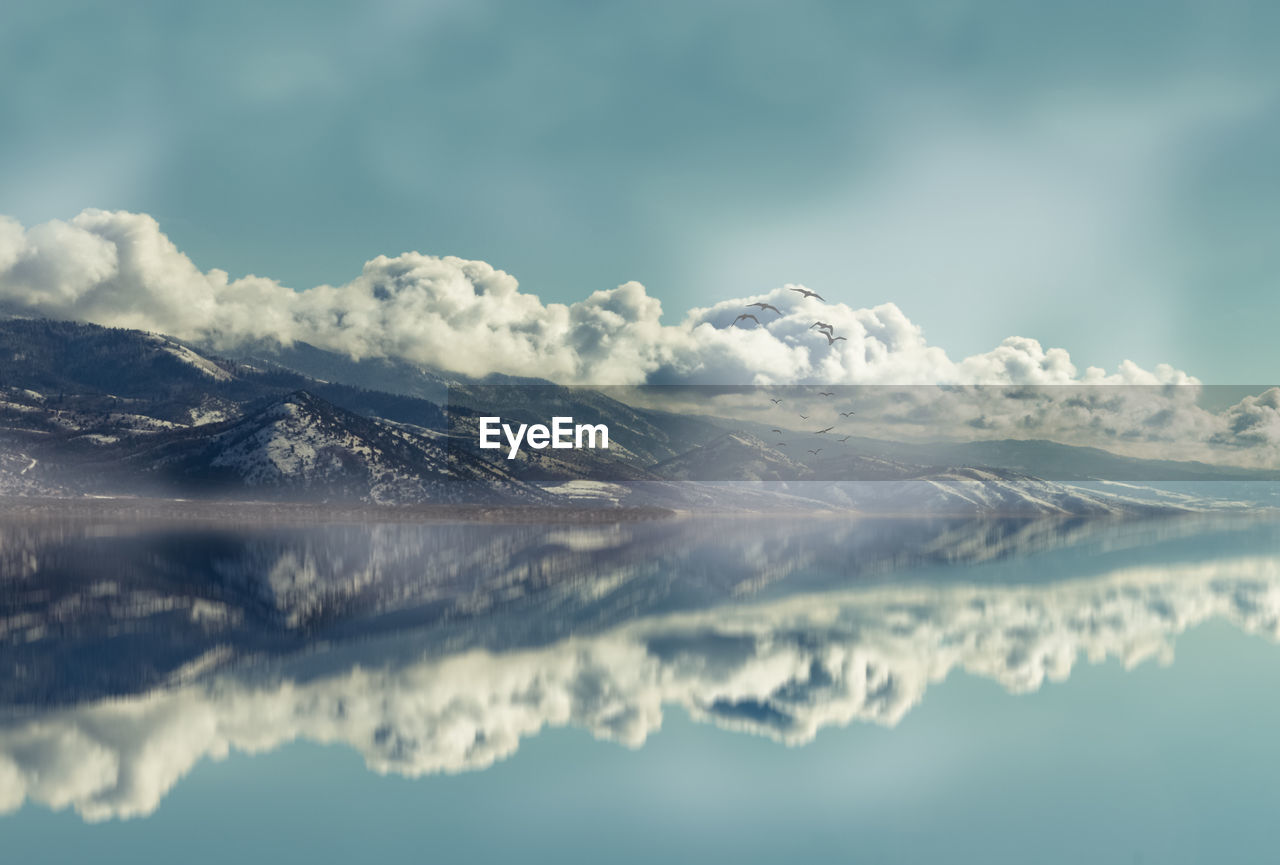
[845, 439]
[804, 417]
[847, 414]
[826, 393]
[807, 293]
[821, 325]
[815, 453]
[746, 315]
[824, 431]
[775, 401]
[831, 340]
[778, 431]
[766, 306]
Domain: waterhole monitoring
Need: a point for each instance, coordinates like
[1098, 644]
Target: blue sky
[1097, 176]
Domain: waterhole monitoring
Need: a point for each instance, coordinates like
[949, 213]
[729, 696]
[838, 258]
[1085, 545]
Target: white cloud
[119, 269]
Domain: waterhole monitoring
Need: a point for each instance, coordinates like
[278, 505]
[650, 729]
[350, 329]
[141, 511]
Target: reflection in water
[439, 648]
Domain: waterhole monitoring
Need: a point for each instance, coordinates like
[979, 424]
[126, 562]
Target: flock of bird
[823, 328]
[820, 432]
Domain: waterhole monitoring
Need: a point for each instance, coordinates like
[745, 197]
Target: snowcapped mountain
[302, 446]
[87, 410]
[741, 456]
[986, 491]
[20, 476]
[880, 486]
[733, 457]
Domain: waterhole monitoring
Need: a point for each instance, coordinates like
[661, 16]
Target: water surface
[683, 690]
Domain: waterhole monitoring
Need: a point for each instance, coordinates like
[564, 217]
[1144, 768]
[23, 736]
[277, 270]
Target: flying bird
[804, 417]
[821, 325]
[775, 401]
[831, 340]
[815, 453]
[778, 431]
[764, 306]
[826, 393]
[746, 315]
[780, 444]
[824, 431]
[847, 414]
[807, 293]
[845, 439]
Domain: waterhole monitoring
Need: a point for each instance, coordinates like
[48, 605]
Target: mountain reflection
[131, 654]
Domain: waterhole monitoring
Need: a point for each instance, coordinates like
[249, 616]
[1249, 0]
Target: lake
[685, 689]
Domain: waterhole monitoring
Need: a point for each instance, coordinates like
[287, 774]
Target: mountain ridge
[88, 410]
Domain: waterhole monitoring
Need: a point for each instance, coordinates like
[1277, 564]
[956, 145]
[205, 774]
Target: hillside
[87, 410]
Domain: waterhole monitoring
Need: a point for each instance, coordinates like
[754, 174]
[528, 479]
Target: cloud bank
[120, 269]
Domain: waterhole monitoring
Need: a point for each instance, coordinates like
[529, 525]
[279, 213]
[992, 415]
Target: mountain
[641, 436]
[62, 359]
[735, 457]
[58, 376]
[740, 456]
[969, 490]
[302, 446]
[648, 436]
[107, 411]
[386, 375]
[1045, 459]
[87, 410]
[849, 480]
[1065, 462]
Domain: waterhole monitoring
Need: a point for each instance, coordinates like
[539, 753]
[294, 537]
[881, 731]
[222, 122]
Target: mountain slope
[643, 436]
[92, 410]
[302, 446]
[733, 457]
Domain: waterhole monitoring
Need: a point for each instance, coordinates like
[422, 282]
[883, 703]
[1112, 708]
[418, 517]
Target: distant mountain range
[94, 411]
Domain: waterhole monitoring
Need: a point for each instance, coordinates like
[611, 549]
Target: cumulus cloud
[783, 669]
[120, 269]
[1253, 420]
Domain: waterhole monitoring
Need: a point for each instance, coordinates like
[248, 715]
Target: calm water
[685, 690]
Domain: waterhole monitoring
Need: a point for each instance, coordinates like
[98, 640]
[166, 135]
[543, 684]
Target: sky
[1094, 176]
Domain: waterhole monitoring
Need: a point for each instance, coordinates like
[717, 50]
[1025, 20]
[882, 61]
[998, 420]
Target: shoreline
[258, 512]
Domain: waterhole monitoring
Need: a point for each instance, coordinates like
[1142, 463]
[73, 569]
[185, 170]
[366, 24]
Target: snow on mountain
[304, 445]
[1000, 491]
[189, 357]
[878, 486]
[111, 411]
[293, 439]
[733, 457]
[20, 475]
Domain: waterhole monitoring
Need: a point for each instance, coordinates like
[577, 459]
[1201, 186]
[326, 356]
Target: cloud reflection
[783, 668]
